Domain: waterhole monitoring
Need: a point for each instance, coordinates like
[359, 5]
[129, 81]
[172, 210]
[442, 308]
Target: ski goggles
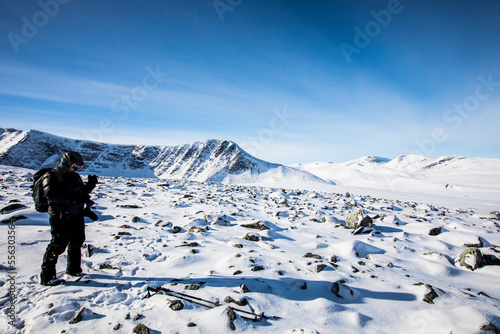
[76, 166]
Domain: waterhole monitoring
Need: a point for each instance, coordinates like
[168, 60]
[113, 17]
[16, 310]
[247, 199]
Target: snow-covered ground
[450, 181]
[307, 271]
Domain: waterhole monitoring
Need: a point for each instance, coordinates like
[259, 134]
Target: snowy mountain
[210, 160]
[451, 176]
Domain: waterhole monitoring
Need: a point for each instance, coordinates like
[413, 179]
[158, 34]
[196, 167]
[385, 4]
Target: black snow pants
[67, 232]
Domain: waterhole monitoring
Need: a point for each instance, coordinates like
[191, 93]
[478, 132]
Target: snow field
[383, 276]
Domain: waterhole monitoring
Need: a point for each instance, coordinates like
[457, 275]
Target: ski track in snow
[384, 274]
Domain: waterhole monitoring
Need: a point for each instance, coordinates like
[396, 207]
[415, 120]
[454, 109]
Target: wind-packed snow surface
[303, 267]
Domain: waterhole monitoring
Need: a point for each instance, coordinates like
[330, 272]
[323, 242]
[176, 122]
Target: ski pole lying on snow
[204, 302]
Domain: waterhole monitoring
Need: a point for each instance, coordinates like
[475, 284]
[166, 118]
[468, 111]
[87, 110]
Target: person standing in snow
[69, 201]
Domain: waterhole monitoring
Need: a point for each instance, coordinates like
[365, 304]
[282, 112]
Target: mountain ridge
[212, 160]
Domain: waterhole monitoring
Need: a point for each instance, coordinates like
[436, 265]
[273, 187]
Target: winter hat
[71, 158]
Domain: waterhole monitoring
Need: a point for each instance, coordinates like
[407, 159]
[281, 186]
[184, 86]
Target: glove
[91, 214]
[91, 183]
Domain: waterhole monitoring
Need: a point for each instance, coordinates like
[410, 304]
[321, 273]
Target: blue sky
[289, 81]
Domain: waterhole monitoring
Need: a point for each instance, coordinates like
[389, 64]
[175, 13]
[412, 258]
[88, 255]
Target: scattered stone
[107, 266]
[117, 327]
[13, 207]
[141, 329]
[390, 265]
[129, 206]
[257, 268]
[435, 231]
[238, 245]
[256, 226]
[358, 219]
[319, 267]
[481, 293]
[194, 286]
[354, 269]
[311, 255]
[251, 237]
[191, 324]
[471, 258]
[125, 226]
[194, 229]
[176, 305]
[431, 295]
[333, 259]
[244, 288]
[335, 289]
[304, 286]
[136, 220]
[89, 250]
[176, 229]
[478, 244]
[13, 219]
[237, 272]
[77, 317]
[138, 316]
[121, 233]
[232, 317]
[490, 327]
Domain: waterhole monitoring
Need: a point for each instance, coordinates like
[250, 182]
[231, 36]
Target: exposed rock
[478, 244]
[431, 295]
[141, 329]
[251, 237]
[244, 288]
[471, 258]
[435, 231]
[196, 286]
[319, 267]
[490, 327]
[89, 250]
[231, 317]
[257, 226]
[176, 305]
[176, 229]
[13, 207]
[136, 220]
[335, 289]
[311, 255]
[106, 266]
[257, 268]
[358, 219]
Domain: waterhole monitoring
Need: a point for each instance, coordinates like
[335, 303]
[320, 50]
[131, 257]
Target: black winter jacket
[66, 190]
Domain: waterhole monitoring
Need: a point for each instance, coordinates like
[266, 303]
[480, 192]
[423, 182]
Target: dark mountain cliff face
[210, 160]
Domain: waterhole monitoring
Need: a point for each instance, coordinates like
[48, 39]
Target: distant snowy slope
[454, 176]
[212, 160]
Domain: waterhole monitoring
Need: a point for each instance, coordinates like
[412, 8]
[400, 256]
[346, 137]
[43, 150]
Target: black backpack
[41, 204]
